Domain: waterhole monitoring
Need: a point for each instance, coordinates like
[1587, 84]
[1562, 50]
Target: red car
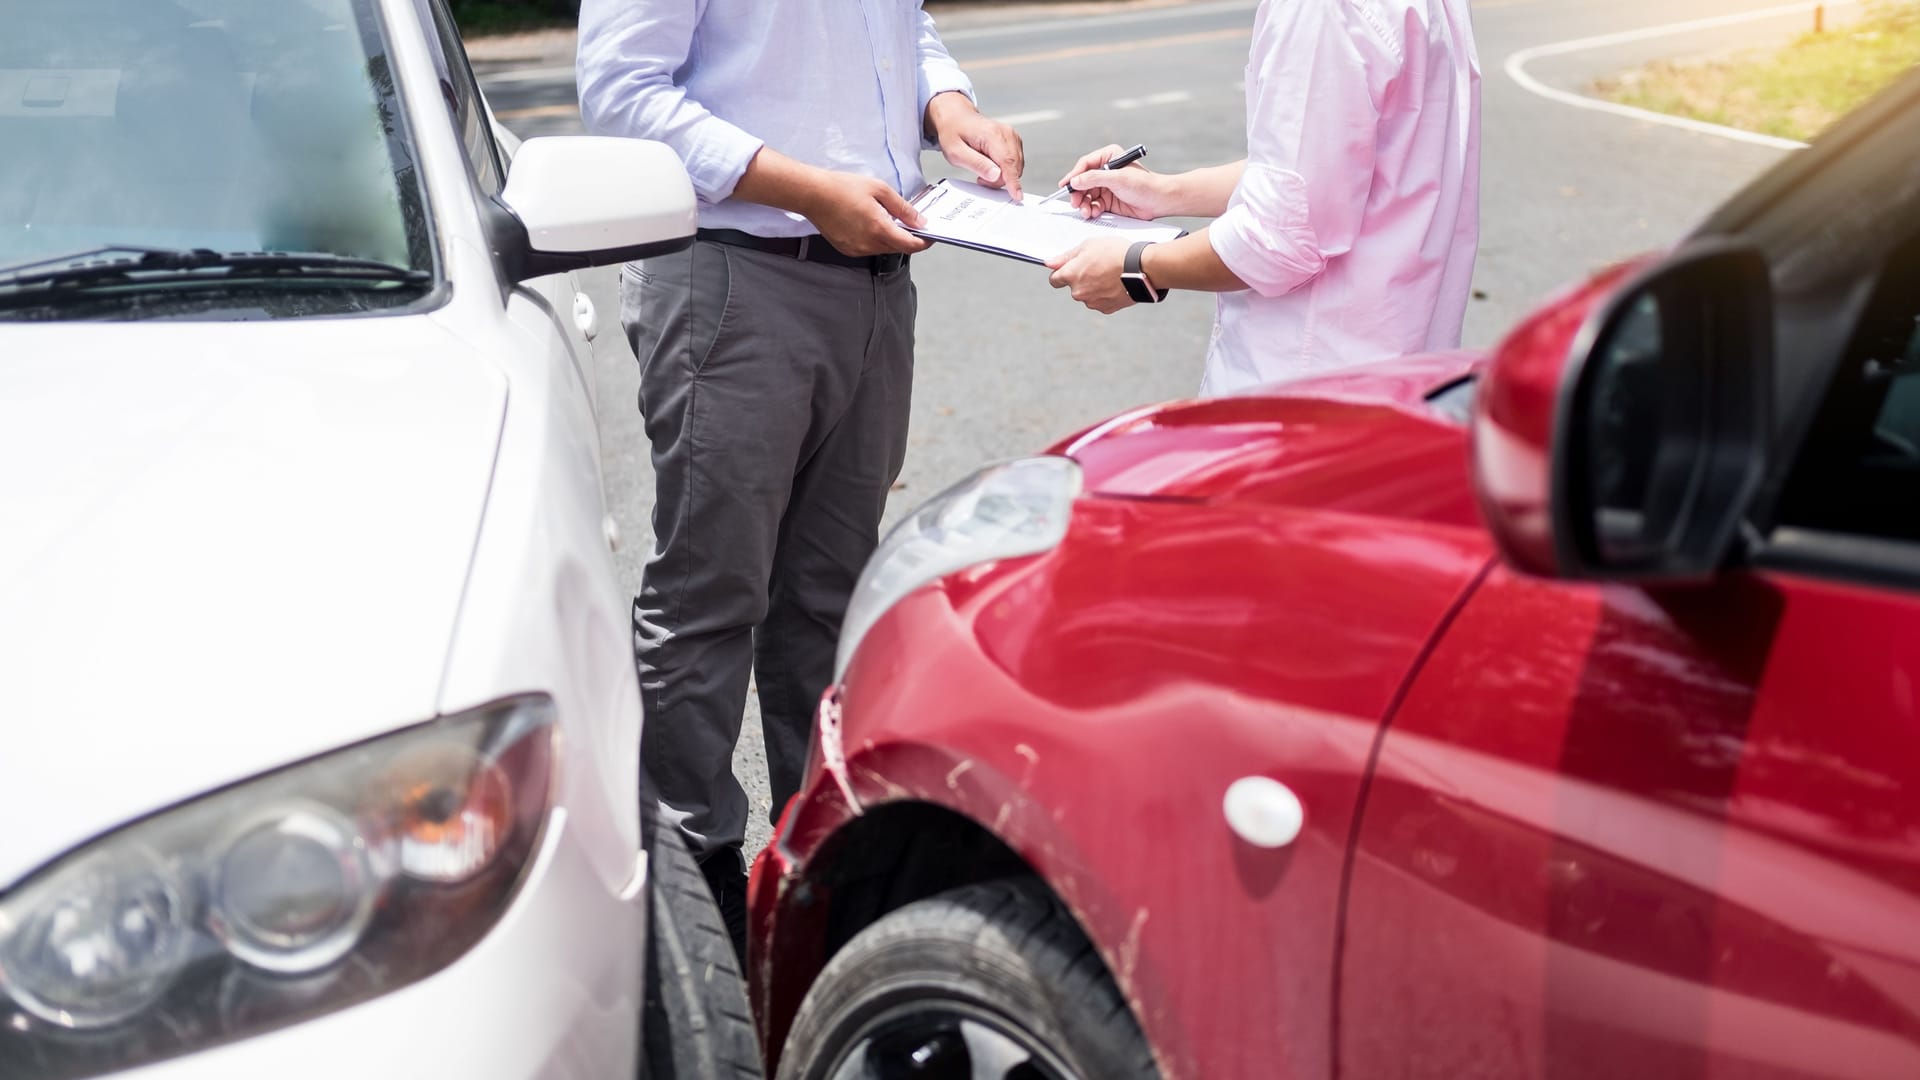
[1552, 715]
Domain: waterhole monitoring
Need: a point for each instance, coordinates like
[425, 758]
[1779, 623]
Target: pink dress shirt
[1356, 222]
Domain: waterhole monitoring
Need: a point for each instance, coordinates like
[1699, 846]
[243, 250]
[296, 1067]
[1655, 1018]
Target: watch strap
[1135, 278]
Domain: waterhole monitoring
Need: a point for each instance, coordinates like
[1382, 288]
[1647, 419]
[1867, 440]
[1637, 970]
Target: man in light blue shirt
[776, 354]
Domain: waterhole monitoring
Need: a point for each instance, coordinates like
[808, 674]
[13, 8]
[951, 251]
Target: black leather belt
[806, 249]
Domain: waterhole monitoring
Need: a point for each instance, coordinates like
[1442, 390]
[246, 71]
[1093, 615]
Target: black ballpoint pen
[1119, 161]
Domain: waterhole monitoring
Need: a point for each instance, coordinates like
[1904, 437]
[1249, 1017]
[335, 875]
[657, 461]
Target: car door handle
[584, 316]
[1264, 812]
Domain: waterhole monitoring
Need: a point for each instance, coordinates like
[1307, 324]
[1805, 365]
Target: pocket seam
[726, 312]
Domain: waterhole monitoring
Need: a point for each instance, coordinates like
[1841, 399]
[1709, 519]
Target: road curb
[1516, 69]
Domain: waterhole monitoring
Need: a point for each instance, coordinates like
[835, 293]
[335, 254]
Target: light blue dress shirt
[841, 84]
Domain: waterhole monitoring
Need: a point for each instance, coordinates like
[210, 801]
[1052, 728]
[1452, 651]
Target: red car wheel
[986, 982]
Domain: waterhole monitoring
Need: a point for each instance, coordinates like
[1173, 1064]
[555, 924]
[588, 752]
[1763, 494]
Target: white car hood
[224, 547]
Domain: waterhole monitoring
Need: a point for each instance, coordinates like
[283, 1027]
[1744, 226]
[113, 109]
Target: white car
[320, 755]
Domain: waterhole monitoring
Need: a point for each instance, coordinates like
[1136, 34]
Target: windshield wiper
[75, 258]
[123, 265]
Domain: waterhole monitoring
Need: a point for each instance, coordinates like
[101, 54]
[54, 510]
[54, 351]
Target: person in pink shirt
[1349, 231]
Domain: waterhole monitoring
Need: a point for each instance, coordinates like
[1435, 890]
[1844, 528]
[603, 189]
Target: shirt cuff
[1274, 252]
[936, 78]
[718, 158]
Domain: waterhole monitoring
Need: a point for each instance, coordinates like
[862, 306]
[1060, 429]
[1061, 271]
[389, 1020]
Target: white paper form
[986, 219]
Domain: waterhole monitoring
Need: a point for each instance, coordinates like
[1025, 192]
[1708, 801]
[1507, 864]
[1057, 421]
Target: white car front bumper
[553, 992]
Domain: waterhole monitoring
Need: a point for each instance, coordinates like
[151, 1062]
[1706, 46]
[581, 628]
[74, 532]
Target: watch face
[1138, 289]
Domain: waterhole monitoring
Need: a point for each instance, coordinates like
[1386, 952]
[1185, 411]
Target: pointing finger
[963, 156]
[1010, 155]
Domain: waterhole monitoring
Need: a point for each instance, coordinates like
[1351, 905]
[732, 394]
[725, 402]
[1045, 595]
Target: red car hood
[1363, 441]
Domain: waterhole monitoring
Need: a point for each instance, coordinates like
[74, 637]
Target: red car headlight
[1021, 507]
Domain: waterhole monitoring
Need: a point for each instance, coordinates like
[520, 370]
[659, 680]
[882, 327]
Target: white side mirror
[588, 200]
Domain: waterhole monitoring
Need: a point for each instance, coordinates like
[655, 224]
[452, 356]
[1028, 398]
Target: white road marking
[1516, 68]
[1020, 29]
[1038, 116]
[1168, 97]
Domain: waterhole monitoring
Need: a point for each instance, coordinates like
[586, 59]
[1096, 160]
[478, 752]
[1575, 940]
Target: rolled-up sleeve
[629, 52]
[1312, 131]
[939, 73]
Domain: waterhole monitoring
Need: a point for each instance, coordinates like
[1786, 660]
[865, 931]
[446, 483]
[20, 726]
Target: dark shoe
[728, 883]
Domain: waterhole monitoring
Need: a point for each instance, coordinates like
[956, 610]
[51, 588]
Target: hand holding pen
[1119, 159]
[1110, 180]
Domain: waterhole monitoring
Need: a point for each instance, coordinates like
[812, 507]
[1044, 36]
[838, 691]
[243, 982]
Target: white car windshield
[224, 125]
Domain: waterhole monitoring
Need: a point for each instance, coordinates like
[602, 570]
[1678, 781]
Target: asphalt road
[1005, 365]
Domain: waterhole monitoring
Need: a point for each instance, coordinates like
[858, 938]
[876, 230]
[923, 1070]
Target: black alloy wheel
[986, 982]
[933, 1040]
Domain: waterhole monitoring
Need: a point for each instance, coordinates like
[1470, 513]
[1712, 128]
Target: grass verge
[1793, 92]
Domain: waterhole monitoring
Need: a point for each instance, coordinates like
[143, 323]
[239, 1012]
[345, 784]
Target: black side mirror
[1664, 419]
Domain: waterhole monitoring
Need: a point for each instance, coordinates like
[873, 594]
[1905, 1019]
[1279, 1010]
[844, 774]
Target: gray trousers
[775, 394]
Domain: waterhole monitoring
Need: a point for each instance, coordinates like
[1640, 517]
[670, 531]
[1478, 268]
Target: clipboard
[980, 218]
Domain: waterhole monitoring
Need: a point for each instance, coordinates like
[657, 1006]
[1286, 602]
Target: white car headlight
[279, 899]
[1019, 508]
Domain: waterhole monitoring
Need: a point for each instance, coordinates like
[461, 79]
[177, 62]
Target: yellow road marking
[1108, 49]
[543, 110]
[1053, 56]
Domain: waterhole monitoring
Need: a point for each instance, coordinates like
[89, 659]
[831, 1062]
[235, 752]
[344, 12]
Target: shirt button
[886, 65]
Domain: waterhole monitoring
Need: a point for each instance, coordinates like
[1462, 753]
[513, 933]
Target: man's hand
[856, 215]
[986, 148]
[1135, 191]
[1092, 271]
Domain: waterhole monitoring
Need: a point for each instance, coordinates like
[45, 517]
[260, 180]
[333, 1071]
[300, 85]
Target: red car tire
[993, 979]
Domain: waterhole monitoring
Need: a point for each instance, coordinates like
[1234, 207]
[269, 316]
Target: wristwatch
[1135, 279]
